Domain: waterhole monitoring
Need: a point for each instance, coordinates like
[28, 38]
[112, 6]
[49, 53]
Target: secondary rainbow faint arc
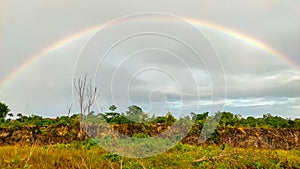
[73, 37]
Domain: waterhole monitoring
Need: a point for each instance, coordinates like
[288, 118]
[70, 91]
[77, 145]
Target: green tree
[114, 117]
[160, 119]
[275, 121]
[136, 114]
[229, 119]
[112, 108]
[170, 119]
[296, 123]
[3, 111]
[197, 117]
[249, 122]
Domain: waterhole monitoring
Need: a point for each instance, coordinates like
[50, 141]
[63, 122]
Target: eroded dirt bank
[234, 136]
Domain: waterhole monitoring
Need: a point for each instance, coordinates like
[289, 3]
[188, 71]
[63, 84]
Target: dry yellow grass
[181, 156]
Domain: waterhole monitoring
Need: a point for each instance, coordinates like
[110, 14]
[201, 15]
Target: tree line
[135, 115]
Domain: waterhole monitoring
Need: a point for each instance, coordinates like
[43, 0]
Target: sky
[183, 56]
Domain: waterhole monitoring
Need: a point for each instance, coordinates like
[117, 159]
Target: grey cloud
[29, 27]
[284, 84]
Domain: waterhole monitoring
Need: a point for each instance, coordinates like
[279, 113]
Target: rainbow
[64, 41]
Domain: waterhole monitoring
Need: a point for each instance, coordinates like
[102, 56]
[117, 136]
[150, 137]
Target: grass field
[181, 156]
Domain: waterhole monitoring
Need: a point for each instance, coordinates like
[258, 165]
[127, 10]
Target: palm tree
[3, 111]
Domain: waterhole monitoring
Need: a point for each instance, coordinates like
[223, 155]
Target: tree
[160, 119]
[198, 117]
[229, 119]
[80, 89]
[3, 111]
[112, 117]
[296, 124]
[112, 108]
[69, 108]
[136, 114]
[92, 96]
[10, 116]
[87, 95]
[249, 122]
[170, 119]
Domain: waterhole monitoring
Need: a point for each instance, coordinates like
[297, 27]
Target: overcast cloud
[257, 82]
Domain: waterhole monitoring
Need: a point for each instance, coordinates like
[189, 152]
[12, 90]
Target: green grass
[181, 156]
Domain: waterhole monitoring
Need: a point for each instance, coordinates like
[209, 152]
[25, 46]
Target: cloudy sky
[183, 56]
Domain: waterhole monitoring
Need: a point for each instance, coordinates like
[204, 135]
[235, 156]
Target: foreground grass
[181, 156]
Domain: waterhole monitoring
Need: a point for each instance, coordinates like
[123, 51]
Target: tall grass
[181, 156]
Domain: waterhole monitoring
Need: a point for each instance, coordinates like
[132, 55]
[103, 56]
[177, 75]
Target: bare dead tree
[87, 95]
[92, 96]
[80, 88]
[69, 108]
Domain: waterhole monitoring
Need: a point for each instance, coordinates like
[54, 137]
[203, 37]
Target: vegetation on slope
[72, 154]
